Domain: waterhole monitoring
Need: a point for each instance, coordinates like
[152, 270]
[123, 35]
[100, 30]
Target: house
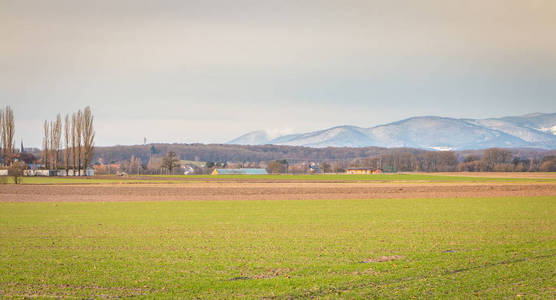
[314, 168]
[188, 170]
[29, 172]
[106, 168]
[32, 166]
[90, 172]
[41, 173]
[243, 171]
[363, 171]
[70, 172]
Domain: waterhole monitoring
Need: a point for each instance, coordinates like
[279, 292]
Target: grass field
[375, 177]
[81, 180]
[448, 248]
[320, 177]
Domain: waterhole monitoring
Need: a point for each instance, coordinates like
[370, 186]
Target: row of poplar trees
[78, 137]
[7, 130]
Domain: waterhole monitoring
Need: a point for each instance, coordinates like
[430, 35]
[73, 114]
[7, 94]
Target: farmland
[288, 237]
[393, 178]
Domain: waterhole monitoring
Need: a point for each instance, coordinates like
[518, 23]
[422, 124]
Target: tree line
[389, 160]
[395, 158]
[489, 160]
[7, 131]
[238, 153]
[10, 159]
[78, 137]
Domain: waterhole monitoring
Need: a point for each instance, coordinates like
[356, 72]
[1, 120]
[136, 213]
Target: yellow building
[364, 171]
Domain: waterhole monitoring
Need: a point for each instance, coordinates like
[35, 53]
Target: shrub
[16, 171]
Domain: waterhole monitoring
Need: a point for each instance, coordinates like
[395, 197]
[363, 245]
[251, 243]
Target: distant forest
[334, 159]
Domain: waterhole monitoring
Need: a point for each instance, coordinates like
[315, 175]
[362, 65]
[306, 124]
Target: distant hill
[252, 138]
[429, 132]
[237, 153]
[258, 153]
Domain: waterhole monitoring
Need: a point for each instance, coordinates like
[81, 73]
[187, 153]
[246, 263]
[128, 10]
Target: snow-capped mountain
[538, 121]
[341, 136]
[430, 132]
[259, 137]
[443, 133]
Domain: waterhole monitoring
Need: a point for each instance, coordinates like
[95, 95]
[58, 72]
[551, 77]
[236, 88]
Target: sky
[209, 71]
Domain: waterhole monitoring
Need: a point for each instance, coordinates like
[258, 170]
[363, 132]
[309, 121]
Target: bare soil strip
[266, 191]
[532, 175]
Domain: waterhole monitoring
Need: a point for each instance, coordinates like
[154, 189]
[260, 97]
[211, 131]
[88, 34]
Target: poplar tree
[56, 140]
[88, 133]
[46, 145]
[8, 131]
[67, 150]
[73, 142]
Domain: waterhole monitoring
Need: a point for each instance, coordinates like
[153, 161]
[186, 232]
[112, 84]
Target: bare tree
[274, 167]
[73, 141]
[495, 158]
[78, 136]
[170, 161]
[154, 164]
[16, 171]
[56, 140]
[67, 150]
[55, 137]
[52, 162]
[88, 137]
[8, 130]
[46, 145]
[134, 166]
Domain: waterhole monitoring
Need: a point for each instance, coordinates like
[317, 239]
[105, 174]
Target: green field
[82, 180]
[376, 177]
[340, 177]
[448, 248]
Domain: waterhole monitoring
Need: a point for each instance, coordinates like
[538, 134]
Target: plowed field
[267, 191]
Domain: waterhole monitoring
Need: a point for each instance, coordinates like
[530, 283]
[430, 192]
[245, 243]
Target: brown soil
[382, 259]
[267, 191]
[534, 175]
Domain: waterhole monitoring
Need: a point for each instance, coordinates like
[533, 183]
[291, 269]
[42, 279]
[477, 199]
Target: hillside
[258, 153]
[428, 132]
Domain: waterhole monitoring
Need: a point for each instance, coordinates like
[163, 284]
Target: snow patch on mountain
[524, 133]
[551, 129]
[442, 148]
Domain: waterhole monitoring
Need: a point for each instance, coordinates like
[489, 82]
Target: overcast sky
[209, 71]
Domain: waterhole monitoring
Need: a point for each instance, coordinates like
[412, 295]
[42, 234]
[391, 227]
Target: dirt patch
[266, 275]
[239, 278]
[382, 259]
[267, 191]
[531, 175]
[272, 273]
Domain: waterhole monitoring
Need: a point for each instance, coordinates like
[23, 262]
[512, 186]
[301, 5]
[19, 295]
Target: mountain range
[536, 130]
